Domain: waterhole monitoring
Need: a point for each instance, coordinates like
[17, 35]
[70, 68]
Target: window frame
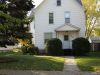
[58, 2]
[68, 17]
[66, 37]
[46, 39]
[51, 18]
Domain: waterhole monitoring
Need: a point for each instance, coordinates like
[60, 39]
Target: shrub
[10, 42]
[36, 50]
[24, 49]
[54, 47]
[81, 46]
[31, 49]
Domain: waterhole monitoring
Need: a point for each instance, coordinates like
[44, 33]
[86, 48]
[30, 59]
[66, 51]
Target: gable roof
[79, 1]
[67, 27]
[95, 39]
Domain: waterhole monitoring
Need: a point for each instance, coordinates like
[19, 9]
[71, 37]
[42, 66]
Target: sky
[37, 2]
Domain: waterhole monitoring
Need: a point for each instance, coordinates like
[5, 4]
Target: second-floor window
[51, 20]
[67, 17]
[58, 2]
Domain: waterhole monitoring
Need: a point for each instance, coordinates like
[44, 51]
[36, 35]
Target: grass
[90, 62]
[30, 62]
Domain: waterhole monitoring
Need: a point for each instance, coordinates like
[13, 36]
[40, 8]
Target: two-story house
[63, 19]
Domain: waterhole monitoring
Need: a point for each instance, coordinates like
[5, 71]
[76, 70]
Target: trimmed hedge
[81, 46]
[54, 47]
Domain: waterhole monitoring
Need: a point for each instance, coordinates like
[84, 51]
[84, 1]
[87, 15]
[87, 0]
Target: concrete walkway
[70, 68]
[70, 64]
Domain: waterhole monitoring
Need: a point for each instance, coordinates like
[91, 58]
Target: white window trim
[69, 15]
[57, 3]
[53, 18]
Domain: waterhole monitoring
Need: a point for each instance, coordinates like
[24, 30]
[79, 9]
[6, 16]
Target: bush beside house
[54, 47]
[81, 46]
[30, 49]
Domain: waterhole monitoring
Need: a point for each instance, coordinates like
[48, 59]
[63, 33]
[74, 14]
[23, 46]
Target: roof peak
[79, 1]
[67, 27]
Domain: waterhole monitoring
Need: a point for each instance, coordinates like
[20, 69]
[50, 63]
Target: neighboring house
[95, 43]
[63, 19]
[98, 5]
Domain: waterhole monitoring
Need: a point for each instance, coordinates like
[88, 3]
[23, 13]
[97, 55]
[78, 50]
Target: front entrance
[66, 33]
[66, 43]
[65, 37]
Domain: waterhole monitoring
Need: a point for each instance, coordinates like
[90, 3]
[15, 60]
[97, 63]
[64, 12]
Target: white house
[63, 19]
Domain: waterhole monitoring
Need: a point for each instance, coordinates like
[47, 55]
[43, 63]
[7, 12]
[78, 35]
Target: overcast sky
[37, 2]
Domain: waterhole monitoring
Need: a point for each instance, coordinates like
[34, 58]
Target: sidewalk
[70, 68]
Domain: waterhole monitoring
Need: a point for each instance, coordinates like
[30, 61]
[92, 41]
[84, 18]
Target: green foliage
[30, 49]
[24, 49]
[81, 46]
[13, 17]
[54, 47]
[33, 50]
[92, 15]
[97, 31]
[5, 41]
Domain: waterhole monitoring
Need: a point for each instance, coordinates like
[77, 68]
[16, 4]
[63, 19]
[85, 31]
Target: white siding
[42, 18]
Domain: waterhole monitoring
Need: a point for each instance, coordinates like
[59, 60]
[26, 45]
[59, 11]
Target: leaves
[92, 15]
[13, 17]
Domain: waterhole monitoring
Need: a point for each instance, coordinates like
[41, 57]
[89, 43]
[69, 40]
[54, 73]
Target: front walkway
[70, 68]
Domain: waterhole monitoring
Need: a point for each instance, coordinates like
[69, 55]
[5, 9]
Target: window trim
[45, 39]
[51, 17]
[66, 37]
[67, 17]
[58, 4]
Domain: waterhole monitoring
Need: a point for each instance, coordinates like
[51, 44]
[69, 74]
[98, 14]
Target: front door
[66, 42]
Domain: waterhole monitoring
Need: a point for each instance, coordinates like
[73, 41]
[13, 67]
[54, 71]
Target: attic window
[58, 2]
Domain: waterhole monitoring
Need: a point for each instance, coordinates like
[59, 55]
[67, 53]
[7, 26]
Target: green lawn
[90, 62]
[30, 62]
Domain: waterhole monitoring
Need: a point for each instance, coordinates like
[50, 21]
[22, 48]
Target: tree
[97, 28]
[92, 15]
[13, 18]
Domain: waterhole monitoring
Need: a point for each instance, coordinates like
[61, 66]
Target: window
[67, 17]
[66, 37]
[50, 18]
[47, 36]
[58, 2]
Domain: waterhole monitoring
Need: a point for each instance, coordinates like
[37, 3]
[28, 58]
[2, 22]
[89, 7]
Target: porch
[66, 33]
